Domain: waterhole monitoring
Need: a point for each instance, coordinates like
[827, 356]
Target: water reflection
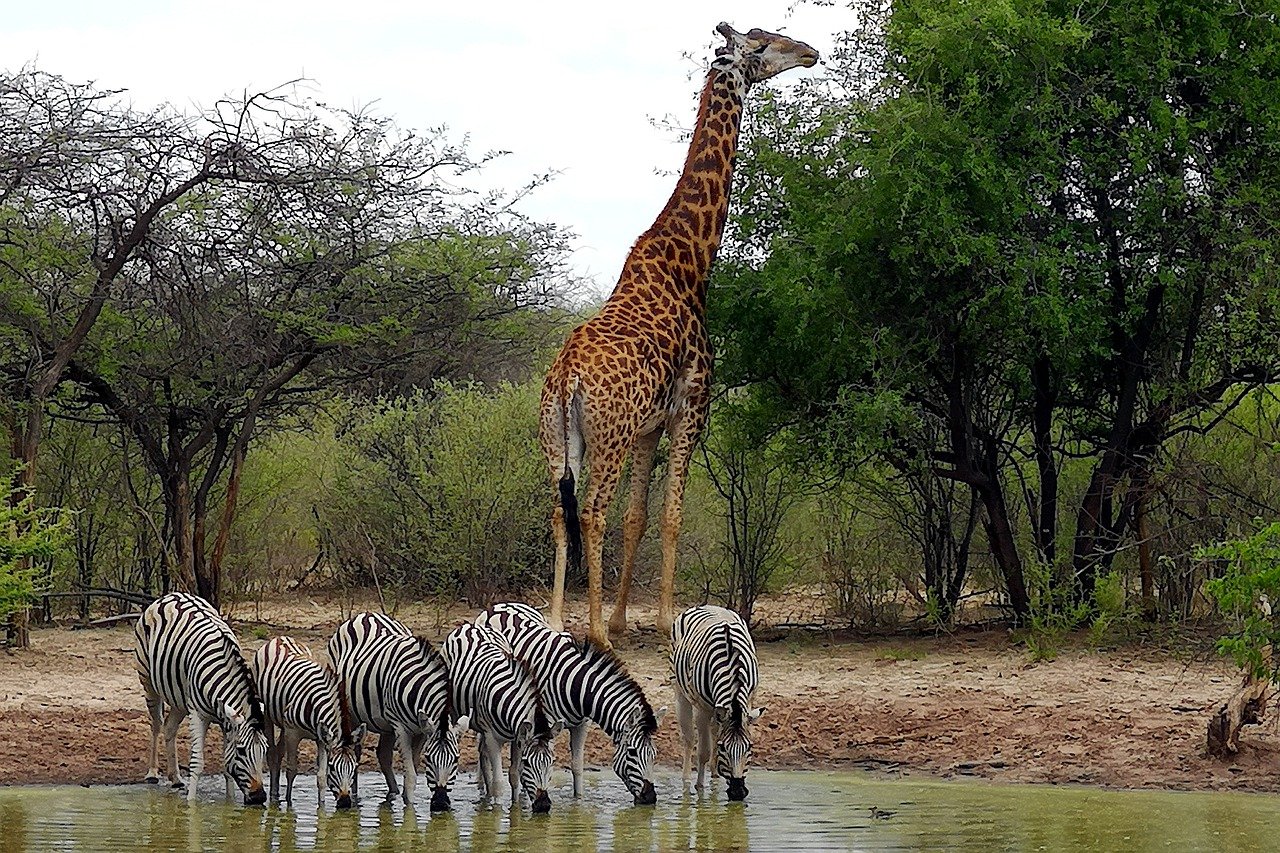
[786, 811]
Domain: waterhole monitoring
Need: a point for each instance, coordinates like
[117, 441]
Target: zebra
[583, 683]
[304, 699]
[502, 698]
[188, 658]
[714, 663]
[399, 686]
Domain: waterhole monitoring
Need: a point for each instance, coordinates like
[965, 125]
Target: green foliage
[441, 492]
[27, 533]
[1247, 592]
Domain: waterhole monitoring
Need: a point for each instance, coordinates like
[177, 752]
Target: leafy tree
[1012, 233]
[27, 533]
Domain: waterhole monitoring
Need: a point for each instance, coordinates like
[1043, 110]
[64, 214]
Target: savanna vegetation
[996, 327]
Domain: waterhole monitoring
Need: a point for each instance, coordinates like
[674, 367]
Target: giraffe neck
[688, 230]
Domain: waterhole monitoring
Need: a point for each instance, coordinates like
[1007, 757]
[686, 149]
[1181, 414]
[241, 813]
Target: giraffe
[642, 365]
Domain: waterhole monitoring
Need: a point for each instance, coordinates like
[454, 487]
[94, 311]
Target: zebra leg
[404, 742]
[273, 758]
[482, 767]
[387, 743]
[703, 719]
[290, 740]
[577, 746]
[155, 712]
[516, 757]
[199, 727]
[173, 719]
[322, 768]
[355, 780]
[493, 762]
[688, 736]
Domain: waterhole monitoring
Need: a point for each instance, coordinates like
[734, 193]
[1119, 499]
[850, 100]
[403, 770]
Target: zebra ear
[359, 733]
[231, 715]
[723, 714]
[660, 713]
[460, 727]
[556, 728]
[754, 714]
[524, 731]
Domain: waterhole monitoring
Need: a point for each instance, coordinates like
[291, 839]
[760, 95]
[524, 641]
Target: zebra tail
[572, 526]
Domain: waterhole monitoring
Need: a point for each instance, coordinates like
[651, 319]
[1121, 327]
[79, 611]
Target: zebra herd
[507, 676]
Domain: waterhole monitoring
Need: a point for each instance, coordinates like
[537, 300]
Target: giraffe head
[760, 54]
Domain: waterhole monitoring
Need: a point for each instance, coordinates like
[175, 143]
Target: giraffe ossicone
[642, 365]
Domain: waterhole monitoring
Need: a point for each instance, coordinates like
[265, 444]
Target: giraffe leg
[555, 616]
[634, 523]
[684, 432]
[605, 471]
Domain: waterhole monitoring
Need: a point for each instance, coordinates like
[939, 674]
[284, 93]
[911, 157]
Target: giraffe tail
[569, 504]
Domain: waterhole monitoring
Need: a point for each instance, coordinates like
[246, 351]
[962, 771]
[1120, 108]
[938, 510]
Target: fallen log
[106, 620]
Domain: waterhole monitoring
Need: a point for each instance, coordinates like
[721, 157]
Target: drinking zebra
[498, 692]
[584, 683]
[188, 658]
[304, 699]
[714, 663]
[398, 686]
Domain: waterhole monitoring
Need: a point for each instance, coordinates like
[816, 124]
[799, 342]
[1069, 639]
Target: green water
[794, 811]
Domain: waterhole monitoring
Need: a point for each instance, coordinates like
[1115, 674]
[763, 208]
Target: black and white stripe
[584, 683]
[502, 698]
[188, 658]
[714, 663]
[302, 697]
[398, 686]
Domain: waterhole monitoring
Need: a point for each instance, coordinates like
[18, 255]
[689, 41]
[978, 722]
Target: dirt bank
[965, 704]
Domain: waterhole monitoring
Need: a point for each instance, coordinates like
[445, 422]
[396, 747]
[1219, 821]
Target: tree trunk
[1046, 530]
[228, 517]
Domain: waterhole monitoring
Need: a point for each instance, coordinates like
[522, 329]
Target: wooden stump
[1247, 706]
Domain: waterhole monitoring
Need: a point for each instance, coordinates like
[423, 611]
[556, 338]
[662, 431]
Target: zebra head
[342, 764]
[440, 756]
[733, 745]
[634, 752]
[535, 739]
[244, 750]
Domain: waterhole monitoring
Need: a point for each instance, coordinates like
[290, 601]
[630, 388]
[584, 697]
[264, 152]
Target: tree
[26, 533]
[1044, 227]
[313, 249]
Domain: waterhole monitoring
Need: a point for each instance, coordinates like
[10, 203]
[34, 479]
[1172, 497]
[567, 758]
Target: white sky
[567, 86]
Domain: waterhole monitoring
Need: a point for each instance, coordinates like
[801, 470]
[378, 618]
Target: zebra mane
[346, 730]
[597, 655]
[735, 704]
[232, 649]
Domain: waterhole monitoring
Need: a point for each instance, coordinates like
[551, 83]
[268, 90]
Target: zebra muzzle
[255, 796]
[647, 796]
[344, 800]
[737, 788]
[440, 800]
[541, 803]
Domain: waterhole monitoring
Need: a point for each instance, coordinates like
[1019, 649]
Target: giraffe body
[641, 367]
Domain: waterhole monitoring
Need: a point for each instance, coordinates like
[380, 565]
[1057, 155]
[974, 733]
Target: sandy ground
[970, 703]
